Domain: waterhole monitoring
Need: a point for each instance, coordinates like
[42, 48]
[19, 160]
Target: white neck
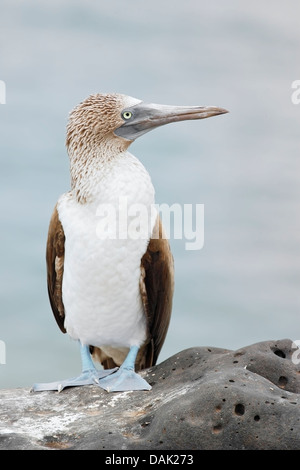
[107, 176]
[89, 165]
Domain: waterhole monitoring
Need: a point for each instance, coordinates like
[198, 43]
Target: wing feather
[55, 254]
[157, 287]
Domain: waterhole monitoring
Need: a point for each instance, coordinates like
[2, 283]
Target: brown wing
[55, 254]
[157, 287]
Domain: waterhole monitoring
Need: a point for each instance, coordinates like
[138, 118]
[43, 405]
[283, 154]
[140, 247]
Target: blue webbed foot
[125, 378]
[122, 380]
[87, 377]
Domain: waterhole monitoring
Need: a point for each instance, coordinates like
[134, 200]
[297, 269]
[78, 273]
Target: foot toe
[87, 377]
[124, 380]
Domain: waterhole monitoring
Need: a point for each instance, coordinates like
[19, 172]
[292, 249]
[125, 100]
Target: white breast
[101, 275]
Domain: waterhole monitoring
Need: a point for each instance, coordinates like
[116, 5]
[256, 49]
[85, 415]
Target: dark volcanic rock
[202, 398]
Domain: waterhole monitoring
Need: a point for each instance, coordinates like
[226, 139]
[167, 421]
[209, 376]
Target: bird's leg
[125, 378]
[89, 375]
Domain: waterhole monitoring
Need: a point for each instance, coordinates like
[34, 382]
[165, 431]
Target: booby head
[116, 120]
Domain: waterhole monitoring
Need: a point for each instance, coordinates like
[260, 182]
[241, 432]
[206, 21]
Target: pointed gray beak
[143, 117]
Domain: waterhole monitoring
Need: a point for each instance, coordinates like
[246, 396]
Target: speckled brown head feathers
[93, 121]
[91, 142]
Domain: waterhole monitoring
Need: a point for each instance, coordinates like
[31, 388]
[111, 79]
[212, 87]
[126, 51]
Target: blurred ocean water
[243, 286]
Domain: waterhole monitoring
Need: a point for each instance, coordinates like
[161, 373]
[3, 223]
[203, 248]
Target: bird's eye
[126, 115]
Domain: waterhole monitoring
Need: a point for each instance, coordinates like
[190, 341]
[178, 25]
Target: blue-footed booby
[111, 293]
